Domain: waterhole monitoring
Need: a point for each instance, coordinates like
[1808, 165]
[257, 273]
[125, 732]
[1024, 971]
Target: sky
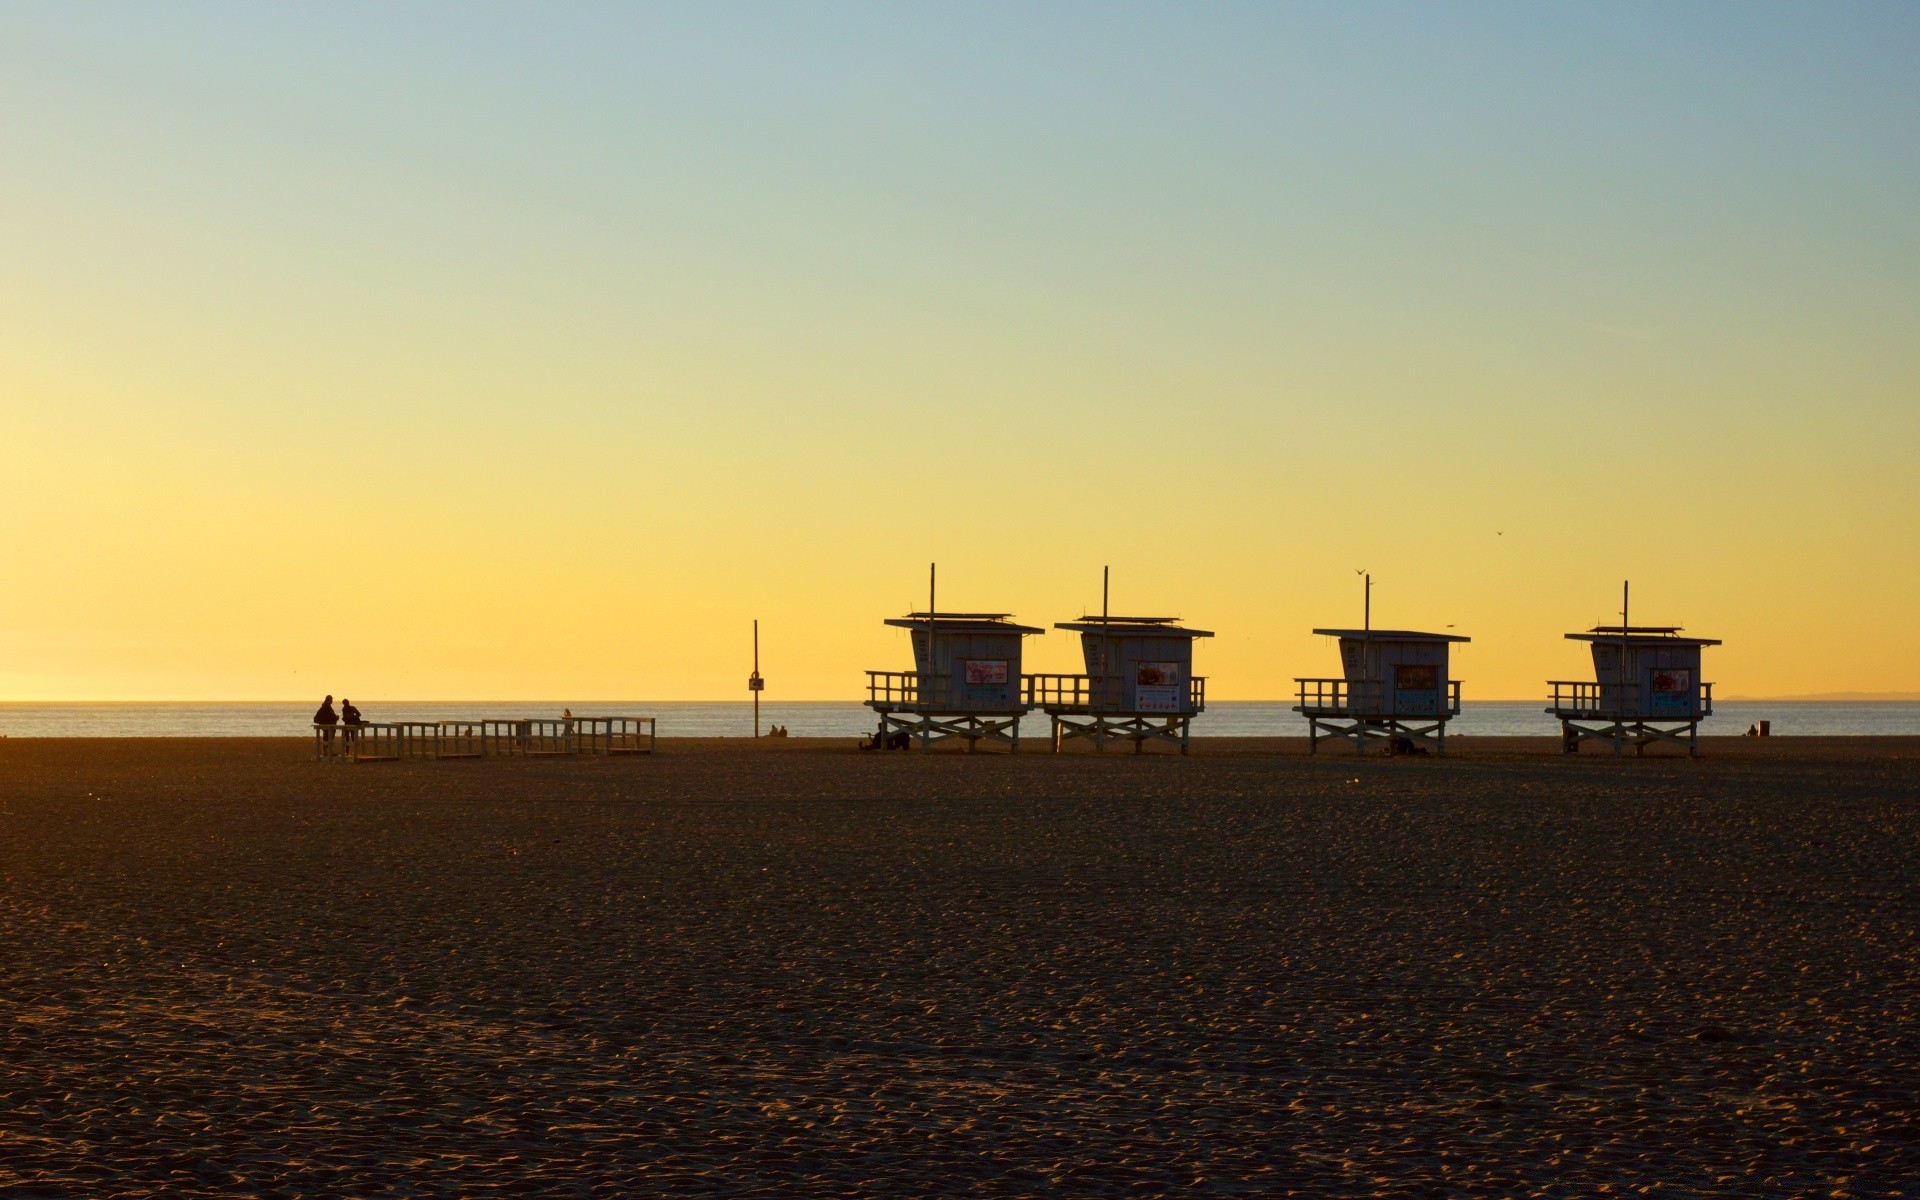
[484, 351]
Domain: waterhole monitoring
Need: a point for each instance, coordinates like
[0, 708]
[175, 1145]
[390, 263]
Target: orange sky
[531, 354]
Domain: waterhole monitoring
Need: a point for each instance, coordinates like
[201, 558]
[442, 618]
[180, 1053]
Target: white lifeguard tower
[1646, 688]
[1139, 685]
[1395, 686]
[966, 682]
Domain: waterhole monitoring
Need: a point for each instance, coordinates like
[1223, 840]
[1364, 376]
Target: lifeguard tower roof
[1395, 635]
[956, 622]
[1641, 635]
[1133, 627]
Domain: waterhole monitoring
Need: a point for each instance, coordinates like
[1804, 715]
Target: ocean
[733, 718]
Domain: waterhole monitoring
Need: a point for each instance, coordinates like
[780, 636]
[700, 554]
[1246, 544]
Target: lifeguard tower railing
[917, 691]
[913, 690]
[1095, 708]
[908, 690]
[923, 707]
[1584, 700]
[1097, 694]
[523, 737]
[1370, 698]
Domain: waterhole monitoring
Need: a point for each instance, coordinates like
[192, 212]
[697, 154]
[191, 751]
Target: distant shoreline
[1830, 698]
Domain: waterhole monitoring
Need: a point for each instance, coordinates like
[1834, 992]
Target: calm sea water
[682, 718]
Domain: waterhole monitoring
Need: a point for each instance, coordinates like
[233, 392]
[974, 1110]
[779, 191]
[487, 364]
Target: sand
[794, 970]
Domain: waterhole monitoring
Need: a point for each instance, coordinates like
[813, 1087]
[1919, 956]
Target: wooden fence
[521, 737]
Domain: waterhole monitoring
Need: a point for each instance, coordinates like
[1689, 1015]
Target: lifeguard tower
[1646, 688]
[966, 682]
[1395, 686]
[1139, 685]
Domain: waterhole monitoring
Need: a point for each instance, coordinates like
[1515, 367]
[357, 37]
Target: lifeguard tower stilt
[966, 682]
[1394, 688]
[1646, 688]
[1139, 686]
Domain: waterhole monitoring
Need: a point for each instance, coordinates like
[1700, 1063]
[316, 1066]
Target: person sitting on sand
[326, 719]
[1405, 745]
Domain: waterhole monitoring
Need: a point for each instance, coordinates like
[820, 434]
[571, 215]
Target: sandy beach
[792, 969]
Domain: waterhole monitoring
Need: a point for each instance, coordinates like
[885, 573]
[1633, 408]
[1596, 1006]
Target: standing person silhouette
[326, 719]
[350, 717]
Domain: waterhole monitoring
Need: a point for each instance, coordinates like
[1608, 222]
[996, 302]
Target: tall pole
[1366, 630]
[1626, 586]
[1106, 638]
[754, 686]
[933, 578]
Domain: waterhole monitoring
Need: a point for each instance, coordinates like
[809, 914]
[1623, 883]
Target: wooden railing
[492, 738]
[458, 739]
[369, 741]
[1340, 695]
[1590, 699]
[500, 738]
[1071, 691]
[546, 737]
[1366, 698]
[907, 689]
[903, 688]
[1584, 696]
[1094, 693]
[416, 739]
[613, 735]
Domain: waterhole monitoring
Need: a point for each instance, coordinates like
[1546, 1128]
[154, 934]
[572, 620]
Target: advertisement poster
[1156, 687]
[1673, 680]
[1672, 691]
[980, 672]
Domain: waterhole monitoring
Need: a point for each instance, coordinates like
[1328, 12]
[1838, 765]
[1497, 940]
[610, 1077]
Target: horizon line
[1800, 698]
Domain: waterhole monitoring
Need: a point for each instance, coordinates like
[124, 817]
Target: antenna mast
[1366, 629]
[1626, 588]
[1106, 638]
